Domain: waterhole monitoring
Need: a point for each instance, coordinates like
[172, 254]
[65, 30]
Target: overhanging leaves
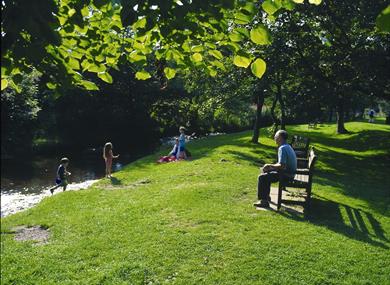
[241, 61]
[260, 35]
[258, 67]
[142, 75]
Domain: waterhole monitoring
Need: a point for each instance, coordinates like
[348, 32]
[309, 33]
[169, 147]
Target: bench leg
[308, 197]
[280, 190]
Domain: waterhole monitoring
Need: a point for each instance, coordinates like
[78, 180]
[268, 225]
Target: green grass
[193, 222]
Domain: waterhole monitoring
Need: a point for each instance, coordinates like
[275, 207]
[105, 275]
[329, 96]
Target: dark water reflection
[35, 174]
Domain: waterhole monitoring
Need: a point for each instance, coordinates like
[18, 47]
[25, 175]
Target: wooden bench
[303, 180]
[300, 145]
[312, 125]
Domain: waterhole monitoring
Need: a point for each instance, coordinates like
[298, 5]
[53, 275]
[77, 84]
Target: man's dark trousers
[264, 183]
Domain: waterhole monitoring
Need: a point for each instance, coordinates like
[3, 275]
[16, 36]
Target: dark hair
[106, 149]
[283, 134]
[64, 160]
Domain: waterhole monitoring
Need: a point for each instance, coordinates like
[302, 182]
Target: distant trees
[300, 61]
[19, 114]
[338, 47]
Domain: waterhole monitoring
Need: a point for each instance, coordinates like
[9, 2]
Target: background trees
[300, 62]
[19, 116]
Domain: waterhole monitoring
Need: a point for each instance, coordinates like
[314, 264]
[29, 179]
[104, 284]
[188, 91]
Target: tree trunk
[340, 117]
[330, 118]
[281, 102]
[274, 118]
[259, 107]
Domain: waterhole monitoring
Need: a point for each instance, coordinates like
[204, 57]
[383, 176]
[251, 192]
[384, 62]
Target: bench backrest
[300, 143]
[312, 162]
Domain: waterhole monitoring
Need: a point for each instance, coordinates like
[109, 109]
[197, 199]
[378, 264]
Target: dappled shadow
[257, 157]
[356, 141]
[357, 164]
[343, 219]
[364, 178]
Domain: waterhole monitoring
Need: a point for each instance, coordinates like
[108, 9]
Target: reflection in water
[26, 182]
[35, 176]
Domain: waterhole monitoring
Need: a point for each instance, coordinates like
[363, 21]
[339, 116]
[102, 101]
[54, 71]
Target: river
[24, 183]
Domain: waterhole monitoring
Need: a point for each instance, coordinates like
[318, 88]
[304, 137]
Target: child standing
[181, 154]
[108, 156]
[62, 173]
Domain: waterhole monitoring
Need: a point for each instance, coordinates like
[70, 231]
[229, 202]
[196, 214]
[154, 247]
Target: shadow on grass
[360, 175]
[343, 219]
[253, 157]
[364, 178]
[357, 141]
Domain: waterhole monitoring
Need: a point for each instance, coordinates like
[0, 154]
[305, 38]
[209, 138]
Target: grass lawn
[193, 222]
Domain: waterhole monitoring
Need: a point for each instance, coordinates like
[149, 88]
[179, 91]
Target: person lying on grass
[172, 155]
[286, 166]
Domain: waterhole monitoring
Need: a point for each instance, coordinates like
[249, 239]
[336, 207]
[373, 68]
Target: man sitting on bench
[285, 168]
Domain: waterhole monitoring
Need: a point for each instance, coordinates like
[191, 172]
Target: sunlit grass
[193, 222]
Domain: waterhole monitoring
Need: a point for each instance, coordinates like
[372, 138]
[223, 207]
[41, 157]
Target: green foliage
[105, 76]
[4, 83]
[383, 20]
[315, 2]
[142, 75]
[270, 6]
[69, 41]
[258, 67]
[222, 103]
[18, 115]
[260, 35]
[169, 72]
[241, 61]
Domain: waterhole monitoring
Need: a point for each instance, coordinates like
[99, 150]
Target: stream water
[25, 183]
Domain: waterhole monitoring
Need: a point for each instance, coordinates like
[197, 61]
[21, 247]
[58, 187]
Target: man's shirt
[287, 157]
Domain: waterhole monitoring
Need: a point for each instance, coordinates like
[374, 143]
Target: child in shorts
[62, 174]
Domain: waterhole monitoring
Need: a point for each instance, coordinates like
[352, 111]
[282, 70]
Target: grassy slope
[193, 222]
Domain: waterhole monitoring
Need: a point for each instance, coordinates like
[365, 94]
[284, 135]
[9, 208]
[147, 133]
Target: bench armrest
[302, 171]
[302, 158]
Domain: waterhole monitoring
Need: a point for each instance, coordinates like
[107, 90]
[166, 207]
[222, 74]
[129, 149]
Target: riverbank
[193, 222]
[21, 190]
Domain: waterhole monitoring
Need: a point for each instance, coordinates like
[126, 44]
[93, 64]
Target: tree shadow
[351, 222]
[357, 141]
[356, 164]
[253, 157]
[364, 178]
